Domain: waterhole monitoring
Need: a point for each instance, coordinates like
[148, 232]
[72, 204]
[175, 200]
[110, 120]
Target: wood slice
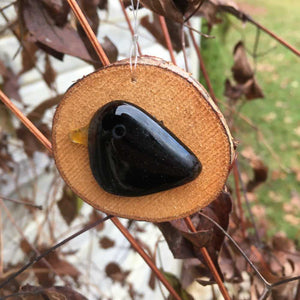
[169, 94]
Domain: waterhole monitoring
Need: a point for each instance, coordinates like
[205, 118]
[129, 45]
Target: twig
[21, 202]
[45, 253]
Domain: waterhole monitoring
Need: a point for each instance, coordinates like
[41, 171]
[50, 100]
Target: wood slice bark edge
[169, 94]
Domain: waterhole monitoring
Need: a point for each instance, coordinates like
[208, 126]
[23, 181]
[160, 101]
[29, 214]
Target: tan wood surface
[170, 95]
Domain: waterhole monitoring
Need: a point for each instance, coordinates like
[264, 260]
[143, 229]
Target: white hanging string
[134, 44]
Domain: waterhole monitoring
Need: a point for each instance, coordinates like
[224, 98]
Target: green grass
[278, 114]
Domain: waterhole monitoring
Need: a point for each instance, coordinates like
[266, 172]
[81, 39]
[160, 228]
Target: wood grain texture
[169, 94]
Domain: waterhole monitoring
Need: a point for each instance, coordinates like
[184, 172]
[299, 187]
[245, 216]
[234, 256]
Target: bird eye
[118, 131]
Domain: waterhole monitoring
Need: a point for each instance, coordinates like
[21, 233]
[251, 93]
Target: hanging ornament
[154, 147]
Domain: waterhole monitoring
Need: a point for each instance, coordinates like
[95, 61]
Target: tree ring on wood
[169, 94]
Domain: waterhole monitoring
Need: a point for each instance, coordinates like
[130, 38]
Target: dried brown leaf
[172, 9]
[110, 49]
[25, 246]
[252, 90]
[209, 10]
[106, 243]
[232, 267]
[49, 75]
[28, 54]
[94, 217]
[103, 5]
[260, 174]
[179, 246]
[58, 10]
[6, 159]
[10, 82]
[233, 92]
[152, 280]
[242, 70]
[68, 205]
[114, 271]
[260, 170]
[48, 36]
[89, 7]
[191, 269]
[166, 8]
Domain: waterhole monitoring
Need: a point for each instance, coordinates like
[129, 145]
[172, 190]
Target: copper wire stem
[129, 25]
[188, 220]
[165, 31]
